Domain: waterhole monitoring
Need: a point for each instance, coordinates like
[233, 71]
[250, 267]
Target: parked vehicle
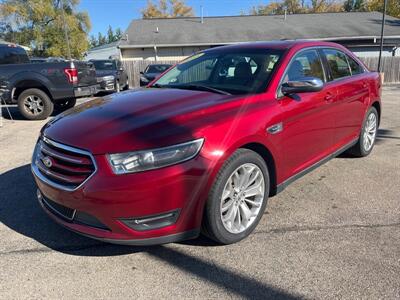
[37, 60]
[111, 75]
[206, 144]
[46, 59]
[39, 87]
[151, 72]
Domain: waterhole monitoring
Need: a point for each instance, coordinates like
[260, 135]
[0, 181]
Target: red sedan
[202, 147]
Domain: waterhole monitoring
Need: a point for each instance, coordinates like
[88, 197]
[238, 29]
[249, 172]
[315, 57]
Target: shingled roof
[234, 29]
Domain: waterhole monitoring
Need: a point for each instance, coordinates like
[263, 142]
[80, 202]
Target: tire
[65, 104]
[216, 208]
[366, 141]
[126, 87]
[34, 104]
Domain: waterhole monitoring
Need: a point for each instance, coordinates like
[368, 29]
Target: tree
[393, 7]
[279, 8]
[101, 39]
[355, 5]
[40, 25]
[297, 7]
[110, 37]
[319, 6]
[167, 9]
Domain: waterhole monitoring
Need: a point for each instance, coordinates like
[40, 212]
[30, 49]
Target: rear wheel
[126, 87]
[34, 104]
[238, 198]
[368, 133]
[65, 104]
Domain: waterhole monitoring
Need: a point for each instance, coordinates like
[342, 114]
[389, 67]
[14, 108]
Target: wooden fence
[133, 68]
[390, 67]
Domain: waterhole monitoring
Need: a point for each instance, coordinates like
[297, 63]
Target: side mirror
[303, 85]
[141, 73]
[121, 69]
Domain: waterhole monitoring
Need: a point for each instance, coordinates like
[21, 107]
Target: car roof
[278, 45]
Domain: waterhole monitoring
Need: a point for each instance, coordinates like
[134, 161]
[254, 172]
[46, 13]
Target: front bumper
[111, 199]
[107, 83]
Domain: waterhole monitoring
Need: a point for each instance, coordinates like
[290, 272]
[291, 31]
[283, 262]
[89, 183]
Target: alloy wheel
[370, 132]
[242, 198]
[33, 105]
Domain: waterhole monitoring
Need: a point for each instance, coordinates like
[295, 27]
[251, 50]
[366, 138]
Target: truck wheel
[65, 104]
[34, 104]
[126, 87]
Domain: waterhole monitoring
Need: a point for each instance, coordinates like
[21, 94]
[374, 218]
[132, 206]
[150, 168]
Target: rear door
[349, 78]
[307, 132]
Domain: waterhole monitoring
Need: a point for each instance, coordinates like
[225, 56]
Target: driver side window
[305, 64]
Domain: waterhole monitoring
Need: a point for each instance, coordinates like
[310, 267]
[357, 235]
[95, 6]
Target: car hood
[135, 120]
[151, 76]
[101, 73]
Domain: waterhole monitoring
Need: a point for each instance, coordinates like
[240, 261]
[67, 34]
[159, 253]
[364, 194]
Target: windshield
[104, 64]
[157, 68]
[235, 72]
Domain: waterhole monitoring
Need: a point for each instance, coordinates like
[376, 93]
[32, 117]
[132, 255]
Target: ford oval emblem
[47, 161]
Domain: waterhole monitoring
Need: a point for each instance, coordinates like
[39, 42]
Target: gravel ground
[335, 233]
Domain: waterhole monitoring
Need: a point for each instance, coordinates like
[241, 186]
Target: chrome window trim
[310, 48]
[39, 175]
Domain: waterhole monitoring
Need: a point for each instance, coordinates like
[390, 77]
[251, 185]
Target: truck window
[13, 55]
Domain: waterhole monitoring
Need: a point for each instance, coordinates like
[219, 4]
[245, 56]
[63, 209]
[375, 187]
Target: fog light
[152, 222]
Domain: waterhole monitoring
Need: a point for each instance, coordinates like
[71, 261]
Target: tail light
[72, 75]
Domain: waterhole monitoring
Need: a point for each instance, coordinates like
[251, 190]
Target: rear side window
[12, 55]
[355, 67]
[337, 62]
[305, 64]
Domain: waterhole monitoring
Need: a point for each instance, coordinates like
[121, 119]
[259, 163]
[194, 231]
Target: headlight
[137, 161]
[108, 78]
[144, 79]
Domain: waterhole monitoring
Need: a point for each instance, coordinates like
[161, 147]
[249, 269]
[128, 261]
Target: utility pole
[382, 34]
[65, 30]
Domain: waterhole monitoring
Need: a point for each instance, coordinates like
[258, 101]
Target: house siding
[163, 53]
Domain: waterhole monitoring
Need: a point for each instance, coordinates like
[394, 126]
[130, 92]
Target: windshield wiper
[157, 85]
[199, 87]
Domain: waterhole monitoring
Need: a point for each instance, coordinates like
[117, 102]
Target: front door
[308, 122]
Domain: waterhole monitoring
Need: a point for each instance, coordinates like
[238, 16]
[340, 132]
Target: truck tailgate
[86, 73]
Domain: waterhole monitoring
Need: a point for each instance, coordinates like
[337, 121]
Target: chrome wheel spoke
[242, 198]
[370, 132]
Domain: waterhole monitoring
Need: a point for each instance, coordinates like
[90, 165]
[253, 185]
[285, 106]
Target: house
[103, 52]
[173, 39]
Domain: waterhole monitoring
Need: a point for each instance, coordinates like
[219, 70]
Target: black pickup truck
[39, 88]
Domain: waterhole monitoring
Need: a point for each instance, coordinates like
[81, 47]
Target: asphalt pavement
[335, 233]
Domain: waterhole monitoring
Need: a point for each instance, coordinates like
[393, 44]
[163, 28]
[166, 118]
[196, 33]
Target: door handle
[364, 85]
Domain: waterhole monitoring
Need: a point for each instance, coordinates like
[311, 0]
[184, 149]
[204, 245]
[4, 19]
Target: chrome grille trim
[37, 173]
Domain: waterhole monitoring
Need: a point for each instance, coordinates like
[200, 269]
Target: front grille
[62, 166]
[58, 209]
[71, 215]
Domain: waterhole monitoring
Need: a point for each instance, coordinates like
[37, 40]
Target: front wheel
[368, 133]
[238, 198]
[65, 104]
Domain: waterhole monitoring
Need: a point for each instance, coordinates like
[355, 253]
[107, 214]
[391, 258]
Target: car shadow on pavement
[17, 116]
[20, 212]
